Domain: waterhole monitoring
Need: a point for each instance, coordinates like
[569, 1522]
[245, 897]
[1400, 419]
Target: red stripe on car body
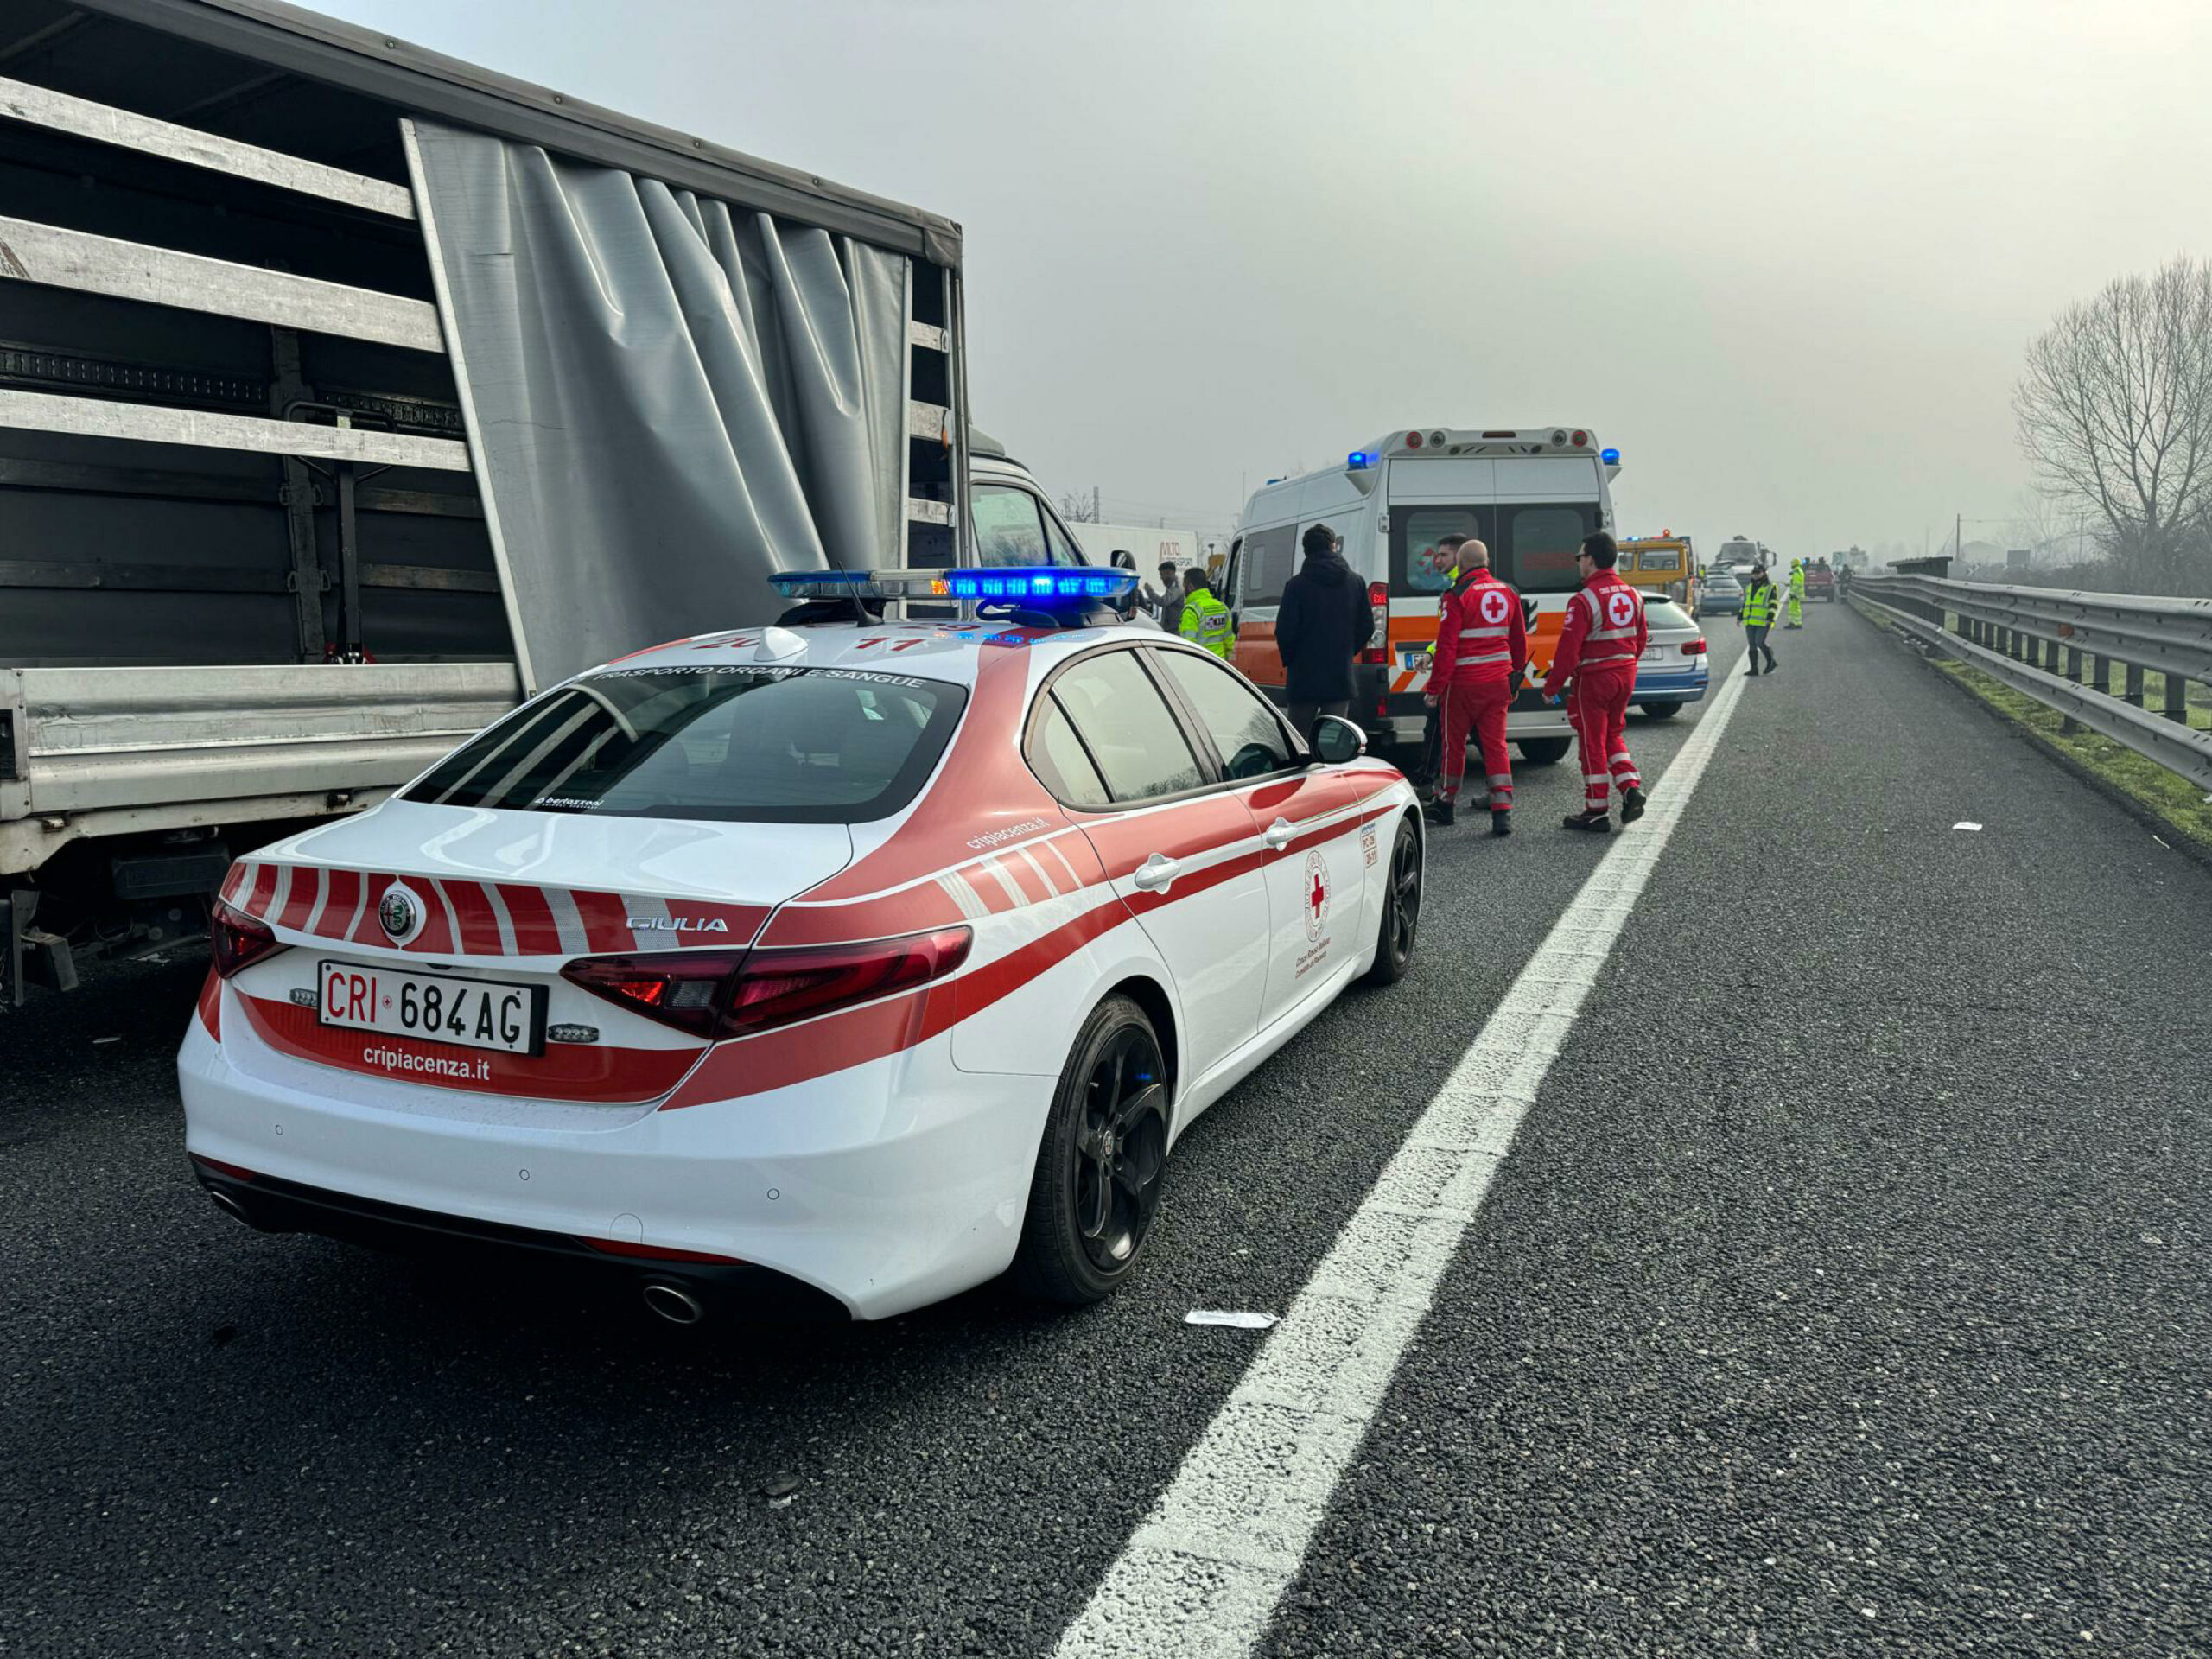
[535, 932]
[602, 1073]
[479, 923]
[305, 888]
[606, 919]
[210, 1005]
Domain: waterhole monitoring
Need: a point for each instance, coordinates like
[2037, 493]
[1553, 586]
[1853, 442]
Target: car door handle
[1156, 872]
[1280, 835]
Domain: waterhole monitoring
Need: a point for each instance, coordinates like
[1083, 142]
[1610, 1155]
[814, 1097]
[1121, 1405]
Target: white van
[1531, 494]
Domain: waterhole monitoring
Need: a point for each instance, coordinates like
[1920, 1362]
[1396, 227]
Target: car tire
[1396, 928]
[1661, 710]
[1543, 751]
[1095, 1190]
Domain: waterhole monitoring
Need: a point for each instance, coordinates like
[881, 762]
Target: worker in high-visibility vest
[1796, 593]
[1206, 619]
[1761, 601]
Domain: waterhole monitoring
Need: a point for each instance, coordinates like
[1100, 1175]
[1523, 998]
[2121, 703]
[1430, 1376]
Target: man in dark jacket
[1171, 598]
[1323, 622]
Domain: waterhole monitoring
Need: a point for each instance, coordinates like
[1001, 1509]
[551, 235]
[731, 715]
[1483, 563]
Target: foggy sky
[1784, 256]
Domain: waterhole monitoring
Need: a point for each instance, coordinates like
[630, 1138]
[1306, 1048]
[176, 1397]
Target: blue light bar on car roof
[1041, 587]
[1611, 457]
[858, 584]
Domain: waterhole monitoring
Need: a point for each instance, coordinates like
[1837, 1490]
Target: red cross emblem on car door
[1316, 895]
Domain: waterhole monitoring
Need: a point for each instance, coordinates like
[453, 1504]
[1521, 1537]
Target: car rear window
[732, 744]
[1665, 613]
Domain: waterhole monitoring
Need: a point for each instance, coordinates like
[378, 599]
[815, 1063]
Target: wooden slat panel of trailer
[33, 253]
[41, 106]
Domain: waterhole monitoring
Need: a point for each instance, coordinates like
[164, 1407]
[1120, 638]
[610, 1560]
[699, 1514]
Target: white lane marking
[1202, 1573]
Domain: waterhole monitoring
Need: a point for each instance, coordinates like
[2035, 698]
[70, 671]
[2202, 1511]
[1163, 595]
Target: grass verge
[2165, 796]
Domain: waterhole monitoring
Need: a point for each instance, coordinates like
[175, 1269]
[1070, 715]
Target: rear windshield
[1665, 613]
[742, 744]
[1532, 547]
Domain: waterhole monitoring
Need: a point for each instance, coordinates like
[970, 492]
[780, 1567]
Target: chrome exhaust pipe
[230, 1207]
[674, 1303]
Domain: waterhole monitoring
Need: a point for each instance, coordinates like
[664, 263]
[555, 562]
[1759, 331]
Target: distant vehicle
[1739, 552]
[1820, 580]
[1719, 593]
[1661, 564]
[1674, 668]
[1532, 495]
[1148, 546]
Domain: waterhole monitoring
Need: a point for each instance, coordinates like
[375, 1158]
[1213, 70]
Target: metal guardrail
[2034, 639]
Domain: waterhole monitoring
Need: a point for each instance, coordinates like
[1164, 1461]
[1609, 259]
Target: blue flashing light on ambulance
[1529, 493]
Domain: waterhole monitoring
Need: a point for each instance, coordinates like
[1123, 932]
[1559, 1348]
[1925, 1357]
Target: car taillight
[716, 994]
[1378, 601]
[687, 989]
[780, 986]
[1694, 648]
[238, 940]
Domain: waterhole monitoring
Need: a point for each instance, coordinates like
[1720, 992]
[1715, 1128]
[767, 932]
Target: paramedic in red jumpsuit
[1482, 651]
[1603, 635]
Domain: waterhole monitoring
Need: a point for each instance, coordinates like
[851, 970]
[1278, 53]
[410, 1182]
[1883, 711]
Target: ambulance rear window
[724, 743]
[1533, 547]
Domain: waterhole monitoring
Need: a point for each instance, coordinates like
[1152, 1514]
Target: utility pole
[1096, 518]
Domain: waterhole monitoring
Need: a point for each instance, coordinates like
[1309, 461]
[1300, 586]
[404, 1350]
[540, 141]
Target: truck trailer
[350, 394]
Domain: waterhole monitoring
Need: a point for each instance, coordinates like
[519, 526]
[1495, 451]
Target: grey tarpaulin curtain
[673, 396]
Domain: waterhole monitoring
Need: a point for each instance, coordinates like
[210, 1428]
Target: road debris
[1234, 1321]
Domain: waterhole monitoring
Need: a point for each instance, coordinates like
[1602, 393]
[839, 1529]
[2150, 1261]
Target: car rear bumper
[271, 1205]
[1674, 687]
[885, 1186]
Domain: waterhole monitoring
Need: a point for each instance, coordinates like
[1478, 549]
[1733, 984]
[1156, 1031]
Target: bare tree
[2115, 409]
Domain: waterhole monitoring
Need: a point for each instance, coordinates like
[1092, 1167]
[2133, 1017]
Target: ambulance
[1531, 493]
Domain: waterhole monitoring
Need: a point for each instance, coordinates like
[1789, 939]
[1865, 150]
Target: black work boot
[1598, 822]
[1631, 804]
[1437, 813]
[1501, 821]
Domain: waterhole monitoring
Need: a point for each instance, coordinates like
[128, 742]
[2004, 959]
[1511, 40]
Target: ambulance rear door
[1429, 500]
[1545, 506]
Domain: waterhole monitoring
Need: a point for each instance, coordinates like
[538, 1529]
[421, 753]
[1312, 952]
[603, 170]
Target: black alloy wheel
[1401, 918]
[1095, 1190]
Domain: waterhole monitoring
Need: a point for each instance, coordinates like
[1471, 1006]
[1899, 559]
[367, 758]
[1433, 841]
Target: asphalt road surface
[1843, 1292]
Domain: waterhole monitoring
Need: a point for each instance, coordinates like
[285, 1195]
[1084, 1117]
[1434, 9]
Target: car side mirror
[1336, 739]
[1122, 559]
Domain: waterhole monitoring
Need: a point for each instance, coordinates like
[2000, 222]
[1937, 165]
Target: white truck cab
[1531, 494]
